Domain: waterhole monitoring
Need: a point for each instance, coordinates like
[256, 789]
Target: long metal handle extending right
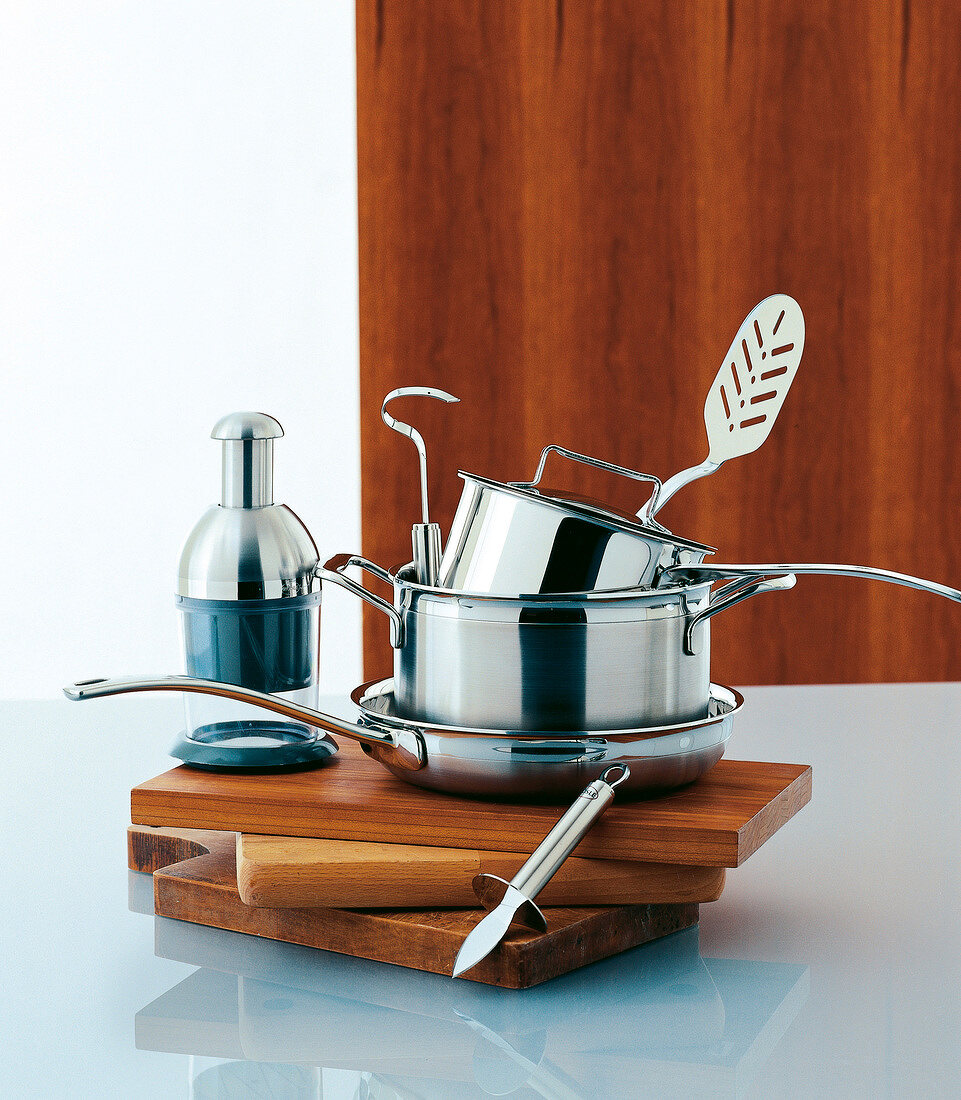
[685, 573]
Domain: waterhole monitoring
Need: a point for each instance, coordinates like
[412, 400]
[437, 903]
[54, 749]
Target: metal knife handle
[547, 858]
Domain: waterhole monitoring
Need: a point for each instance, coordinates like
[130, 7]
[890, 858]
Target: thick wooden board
[717, 822]
[566, 209]
[203, 890]
[280, 872]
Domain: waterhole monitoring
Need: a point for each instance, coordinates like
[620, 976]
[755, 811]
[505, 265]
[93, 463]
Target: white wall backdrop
[177, 241]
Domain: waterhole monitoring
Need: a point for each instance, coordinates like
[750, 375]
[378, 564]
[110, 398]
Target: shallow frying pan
[493, 763]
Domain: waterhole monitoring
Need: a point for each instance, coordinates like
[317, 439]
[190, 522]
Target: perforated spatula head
[748, 390]
[754, 379]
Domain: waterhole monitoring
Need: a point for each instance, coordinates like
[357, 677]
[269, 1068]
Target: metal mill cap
[247, 547]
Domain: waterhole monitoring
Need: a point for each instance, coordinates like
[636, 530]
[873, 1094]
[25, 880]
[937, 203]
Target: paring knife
[514, 900]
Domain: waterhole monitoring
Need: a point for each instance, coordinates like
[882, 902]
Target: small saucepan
[519, 539]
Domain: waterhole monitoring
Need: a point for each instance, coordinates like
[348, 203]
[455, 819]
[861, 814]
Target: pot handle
[395, 748]
[333, 571]
[588, 461]
[741, 589]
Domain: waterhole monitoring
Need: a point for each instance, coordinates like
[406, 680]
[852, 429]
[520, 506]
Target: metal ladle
[425, 536]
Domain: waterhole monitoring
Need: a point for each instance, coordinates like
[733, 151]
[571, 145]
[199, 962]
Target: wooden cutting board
[716, 822]
[278, 872]
[195, 879]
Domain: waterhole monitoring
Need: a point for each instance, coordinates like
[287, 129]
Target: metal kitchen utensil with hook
[425, 536]
[514, 900]
[748, 391]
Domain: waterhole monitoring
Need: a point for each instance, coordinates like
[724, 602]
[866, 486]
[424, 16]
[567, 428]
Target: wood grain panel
[203, 890]
[567, 209]
[719, 821]
[279, 872]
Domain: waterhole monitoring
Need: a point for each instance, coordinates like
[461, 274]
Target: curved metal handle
[742, 589]
[575, 456]
[333, 571]
[401, 748]
[682, 573]
[413, 434]
[663, 493]
[570, 830]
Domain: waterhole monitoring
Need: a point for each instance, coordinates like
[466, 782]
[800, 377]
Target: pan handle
[683, 573]
[397, 748]
[741, 589]
[333, 571]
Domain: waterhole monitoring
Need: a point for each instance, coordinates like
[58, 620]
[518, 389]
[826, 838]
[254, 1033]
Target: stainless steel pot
[515, 539]
[587, 661]
[501, 764]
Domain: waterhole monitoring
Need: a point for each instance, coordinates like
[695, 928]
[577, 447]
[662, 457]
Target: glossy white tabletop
[831, 965]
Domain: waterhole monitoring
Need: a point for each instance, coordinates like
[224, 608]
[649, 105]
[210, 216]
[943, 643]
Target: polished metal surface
[581, 662]
[697, 573]
[425, 546]
[516, 901]
[494, 764]
[748, 391]
[247, 547]
[730, 595]
[514, 539]
[247, 475]
[547, 765]
[426, 535]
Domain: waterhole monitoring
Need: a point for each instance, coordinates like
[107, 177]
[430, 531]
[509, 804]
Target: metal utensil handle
[402, 747]
[550, 854]
[663, 493]
[722, 572]
[333, 571]
[731, 594]
[412, 433]
[610, 467]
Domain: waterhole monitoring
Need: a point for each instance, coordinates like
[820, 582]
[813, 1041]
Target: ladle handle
[413, 434]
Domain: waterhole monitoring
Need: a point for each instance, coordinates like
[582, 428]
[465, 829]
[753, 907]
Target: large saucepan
[581, 661]
[493, 763]
[584, 661]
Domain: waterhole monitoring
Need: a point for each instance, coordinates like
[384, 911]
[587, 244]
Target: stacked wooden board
[349, 859]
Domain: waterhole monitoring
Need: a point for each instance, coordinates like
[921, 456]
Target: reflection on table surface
[657, 1020]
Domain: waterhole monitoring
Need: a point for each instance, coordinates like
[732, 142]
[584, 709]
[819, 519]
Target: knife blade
[514, 900]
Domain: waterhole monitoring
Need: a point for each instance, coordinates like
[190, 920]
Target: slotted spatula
[748, 392]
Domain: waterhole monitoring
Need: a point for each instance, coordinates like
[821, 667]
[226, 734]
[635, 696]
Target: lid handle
[587, 460]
